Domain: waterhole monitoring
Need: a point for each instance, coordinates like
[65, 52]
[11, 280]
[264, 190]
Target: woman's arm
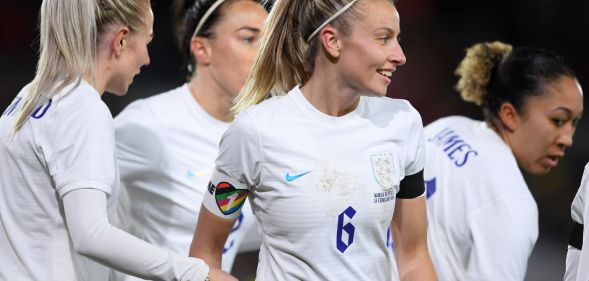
[237, 171]
[409, 229]
[94, 237]
[210, 236]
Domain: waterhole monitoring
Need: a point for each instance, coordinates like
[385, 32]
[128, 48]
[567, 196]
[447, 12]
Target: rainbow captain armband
[224, 198]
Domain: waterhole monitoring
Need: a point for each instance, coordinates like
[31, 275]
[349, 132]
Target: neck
[215, 100]
[335, 98]
[500, 130]
[98, 79]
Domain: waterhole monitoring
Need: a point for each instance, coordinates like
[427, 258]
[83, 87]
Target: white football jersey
[577, 261]
[323, 188]
[67, 144]
[166, 150]
[482, 218]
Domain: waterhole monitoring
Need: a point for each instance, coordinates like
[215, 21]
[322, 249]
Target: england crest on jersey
[383, 169]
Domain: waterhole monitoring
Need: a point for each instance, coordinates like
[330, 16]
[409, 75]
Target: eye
[558, 122]
[384, 39]
[249, 40]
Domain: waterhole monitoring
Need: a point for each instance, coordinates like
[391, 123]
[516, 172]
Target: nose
[397, 55]
[147, 60]
[565, 139]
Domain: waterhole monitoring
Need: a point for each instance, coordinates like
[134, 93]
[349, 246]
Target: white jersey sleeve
[78, 145]
[415, 152]
[577, 262]
[93, 236]
[572, 264]
[237, 169]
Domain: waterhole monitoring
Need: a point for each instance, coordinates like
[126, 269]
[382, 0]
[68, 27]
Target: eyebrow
[567, 110]
[249, 28]
[387, 29]
[563, 108]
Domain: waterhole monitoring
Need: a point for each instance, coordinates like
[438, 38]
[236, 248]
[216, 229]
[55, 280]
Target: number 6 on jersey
[348, 228]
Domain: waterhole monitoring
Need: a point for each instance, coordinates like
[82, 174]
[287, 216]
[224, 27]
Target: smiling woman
[483, 221]
[329, 163]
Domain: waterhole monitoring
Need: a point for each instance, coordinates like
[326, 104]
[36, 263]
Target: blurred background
[434, 37]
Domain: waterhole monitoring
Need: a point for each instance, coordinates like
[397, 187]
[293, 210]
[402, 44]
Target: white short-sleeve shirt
[323, 188]
[577, 261]
[67, 144]
[482, 218]
[166, 149]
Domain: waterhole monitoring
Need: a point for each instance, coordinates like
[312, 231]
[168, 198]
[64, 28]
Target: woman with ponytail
[329, 163]
[58, 175]
[167, 144]
[483, 221]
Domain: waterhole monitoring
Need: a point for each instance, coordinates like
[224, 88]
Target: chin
[118, 92]
[377, 93]
[539, 170]
[381, 93]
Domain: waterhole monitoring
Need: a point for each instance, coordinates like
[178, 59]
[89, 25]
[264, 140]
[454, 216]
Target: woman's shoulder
[79, 100]
[168, 98]
[166, 102]
[385, 109]
[456, 121]
[386, 103]
[265, 109]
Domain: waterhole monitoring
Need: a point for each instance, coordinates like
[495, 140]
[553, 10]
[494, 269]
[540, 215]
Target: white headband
[206, 16]
[330, 19]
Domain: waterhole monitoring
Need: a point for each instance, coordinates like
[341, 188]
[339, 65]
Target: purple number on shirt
[390, 243]
[348, 228]
[430, 187]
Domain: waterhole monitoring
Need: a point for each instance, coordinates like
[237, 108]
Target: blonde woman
[329, 163]
[167, 144]
[58, 174]
[483, 220]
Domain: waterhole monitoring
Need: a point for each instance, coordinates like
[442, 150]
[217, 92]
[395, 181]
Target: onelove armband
[225, 196]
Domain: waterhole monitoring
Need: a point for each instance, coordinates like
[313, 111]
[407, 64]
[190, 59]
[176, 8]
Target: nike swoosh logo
[294, 177]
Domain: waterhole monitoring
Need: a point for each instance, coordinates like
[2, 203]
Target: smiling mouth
[386, 73]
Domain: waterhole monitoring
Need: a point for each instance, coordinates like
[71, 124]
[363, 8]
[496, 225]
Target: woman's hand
[216, 274]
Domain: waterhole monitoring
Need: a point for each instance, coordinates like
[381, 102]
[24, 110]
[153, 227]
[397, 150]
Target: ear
[330, 39]
[509, 116]
[120, 41]
[201, 50]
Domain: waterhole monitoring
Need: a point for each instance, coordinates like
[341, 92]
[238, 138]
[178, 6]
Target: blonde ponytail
[67, 47]
[69, 32]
